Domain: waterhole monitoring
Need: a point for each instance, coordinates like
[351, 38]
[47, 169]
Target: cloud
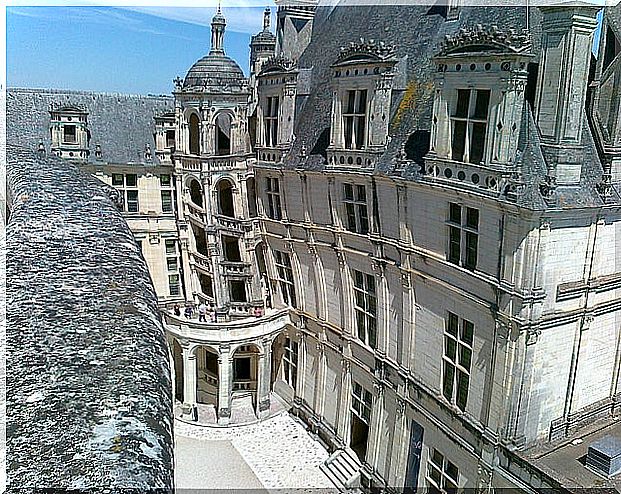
[247, 19]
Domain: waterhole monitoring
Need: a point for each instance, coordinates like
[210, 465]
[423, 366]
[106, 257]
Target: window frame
[458, 340]
[290, 361]
[270, 120]
[75, 134]
[365, 308]
[167, 189]
[355, 117]
[463, 236]
[356, 209]
[274, 199]
[470, 121]
[361, 403]
[128, 191]
[285, 278]
[442, 473]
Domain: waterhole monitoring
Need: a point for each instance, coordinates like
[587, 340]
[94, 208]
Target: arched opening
[225, 198]
[223, 134]
[196, 192]
[178, 368]
[206, 285]
[251, 191]
[245, 374]
[207, 376]
[195, 139]
[199, 240]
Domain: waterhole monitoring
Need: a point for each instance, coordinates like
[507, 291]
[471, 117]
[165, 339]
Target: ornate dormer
[276, 109]
[362, 78]
[480, 85]
[165, 136]
[69, 132]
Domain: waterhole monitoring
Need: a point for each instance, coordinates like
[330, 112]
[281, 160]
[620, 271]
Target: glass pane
[364, 220]
[465, 357]
[463, 102]
[165, 180]
[351, 98]
[361, 194]
[462, 389]
[437, 458]
[449, 376]
[451, 471]
[348, 191]
[130, 180]
[349, 132]
[351, 217]
[117, 179]
[472, 218]
[450, 347]
[482, 104]
[358, 279]
[467, 331]
[170, 246]
[372, 333]
[459, 140]
[455, 213]
[477, 142]
[453, 323]
[166, 201]
[359, 125]
[171, 263]
[454, 245]
[471, 250]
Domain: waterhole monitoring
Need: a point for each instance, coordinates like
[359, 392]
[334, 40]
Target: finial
[266, 19]
[218, 25]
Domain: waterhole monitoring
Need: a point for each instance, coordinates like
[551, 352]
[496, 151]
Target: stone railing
[352, 158]
[88, 399]
[221, 332]
[202, 261]
[231, 268]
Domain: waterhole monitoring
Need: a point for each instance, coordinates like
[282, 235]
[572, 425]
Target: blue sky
[138, 50]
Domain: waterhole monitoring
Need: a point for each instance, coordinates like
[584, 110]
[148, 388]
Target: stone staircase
[343, 468]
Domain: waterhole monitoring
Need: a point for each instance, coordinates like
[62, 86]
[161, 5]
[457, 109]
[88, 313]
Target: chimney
[567, 38]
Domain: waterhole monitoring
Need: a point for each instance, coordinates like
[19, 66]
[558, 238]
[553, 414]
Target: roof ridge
[87, 93]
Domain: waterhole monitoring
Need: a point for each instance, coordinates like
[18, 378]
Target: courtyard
[277, 453]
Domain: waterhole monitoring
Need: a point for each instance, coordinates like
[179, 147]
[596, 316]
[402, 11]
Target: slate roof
[121, 124]
[417, 31]
[89, 400]
[215, 72]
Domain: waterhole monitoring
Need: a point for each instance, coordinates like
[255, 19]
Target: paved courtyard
[276, 453]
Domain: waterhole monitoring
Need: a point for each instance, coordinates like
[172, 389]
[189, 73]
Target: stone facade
[412, 241]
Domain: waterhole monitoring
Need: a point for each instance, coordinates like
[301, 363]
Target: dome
[215, 71]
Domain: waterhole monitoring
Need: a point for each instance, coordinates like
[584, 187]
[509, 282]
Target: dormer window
[69, 134]
[470, 125]
[270, 119]
[355, 119]
[170, 138]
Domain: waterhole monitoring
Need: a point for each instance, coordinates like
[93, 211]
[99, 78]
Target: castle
[406, 231]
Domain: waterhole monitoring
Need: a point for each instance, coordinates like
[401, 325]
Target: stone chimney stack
[560, 113]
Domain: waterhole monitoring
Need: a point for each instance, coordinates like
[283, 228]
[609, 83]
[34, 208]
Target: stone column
[375, 428]
[189, 376]
[344, 414]
[263, 381]
[401, 444]
[225, 383]
[302, 362]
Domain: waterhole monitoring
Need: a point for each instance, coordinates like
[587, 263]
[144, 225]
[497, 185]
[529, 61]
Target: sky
[135, 50]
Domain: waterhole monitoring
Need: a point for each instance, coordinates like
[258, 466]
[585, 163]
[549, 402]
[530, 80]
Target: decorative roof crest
[491, 38]
[278, 63]
[67, 108]
[366, 50]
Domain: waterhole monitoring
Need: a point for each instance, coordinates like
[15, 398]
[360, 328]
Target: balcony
[195, 212]
[273, 321]
[202, 262]
[485, 178]
[232, 224]
[232, 268]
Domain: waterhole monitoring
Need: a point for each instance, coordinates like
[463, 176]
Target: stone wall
[88, 378]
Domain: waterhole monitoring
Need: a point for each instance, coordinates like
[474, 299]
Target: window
[69, 134]
[271, 121]
[290, 362]
[274, 208]
[128, 185]
[362, 403]
[172, 265]
[442, 475]
[355, 118]
[170, 138]
[463, 236]
[365, 306]
[355, 200]
[285, 277]
[470, 125]
[237, 291]
[173, 284]
[231, 249]
[457, 358]
[167, 193]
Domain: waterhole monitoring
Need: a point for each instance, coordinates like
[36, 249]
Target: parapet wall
[89, 400]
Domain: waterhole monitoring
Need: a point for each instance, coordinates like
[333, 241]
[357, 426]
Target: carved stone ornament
[487, 39]
[366, 51]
